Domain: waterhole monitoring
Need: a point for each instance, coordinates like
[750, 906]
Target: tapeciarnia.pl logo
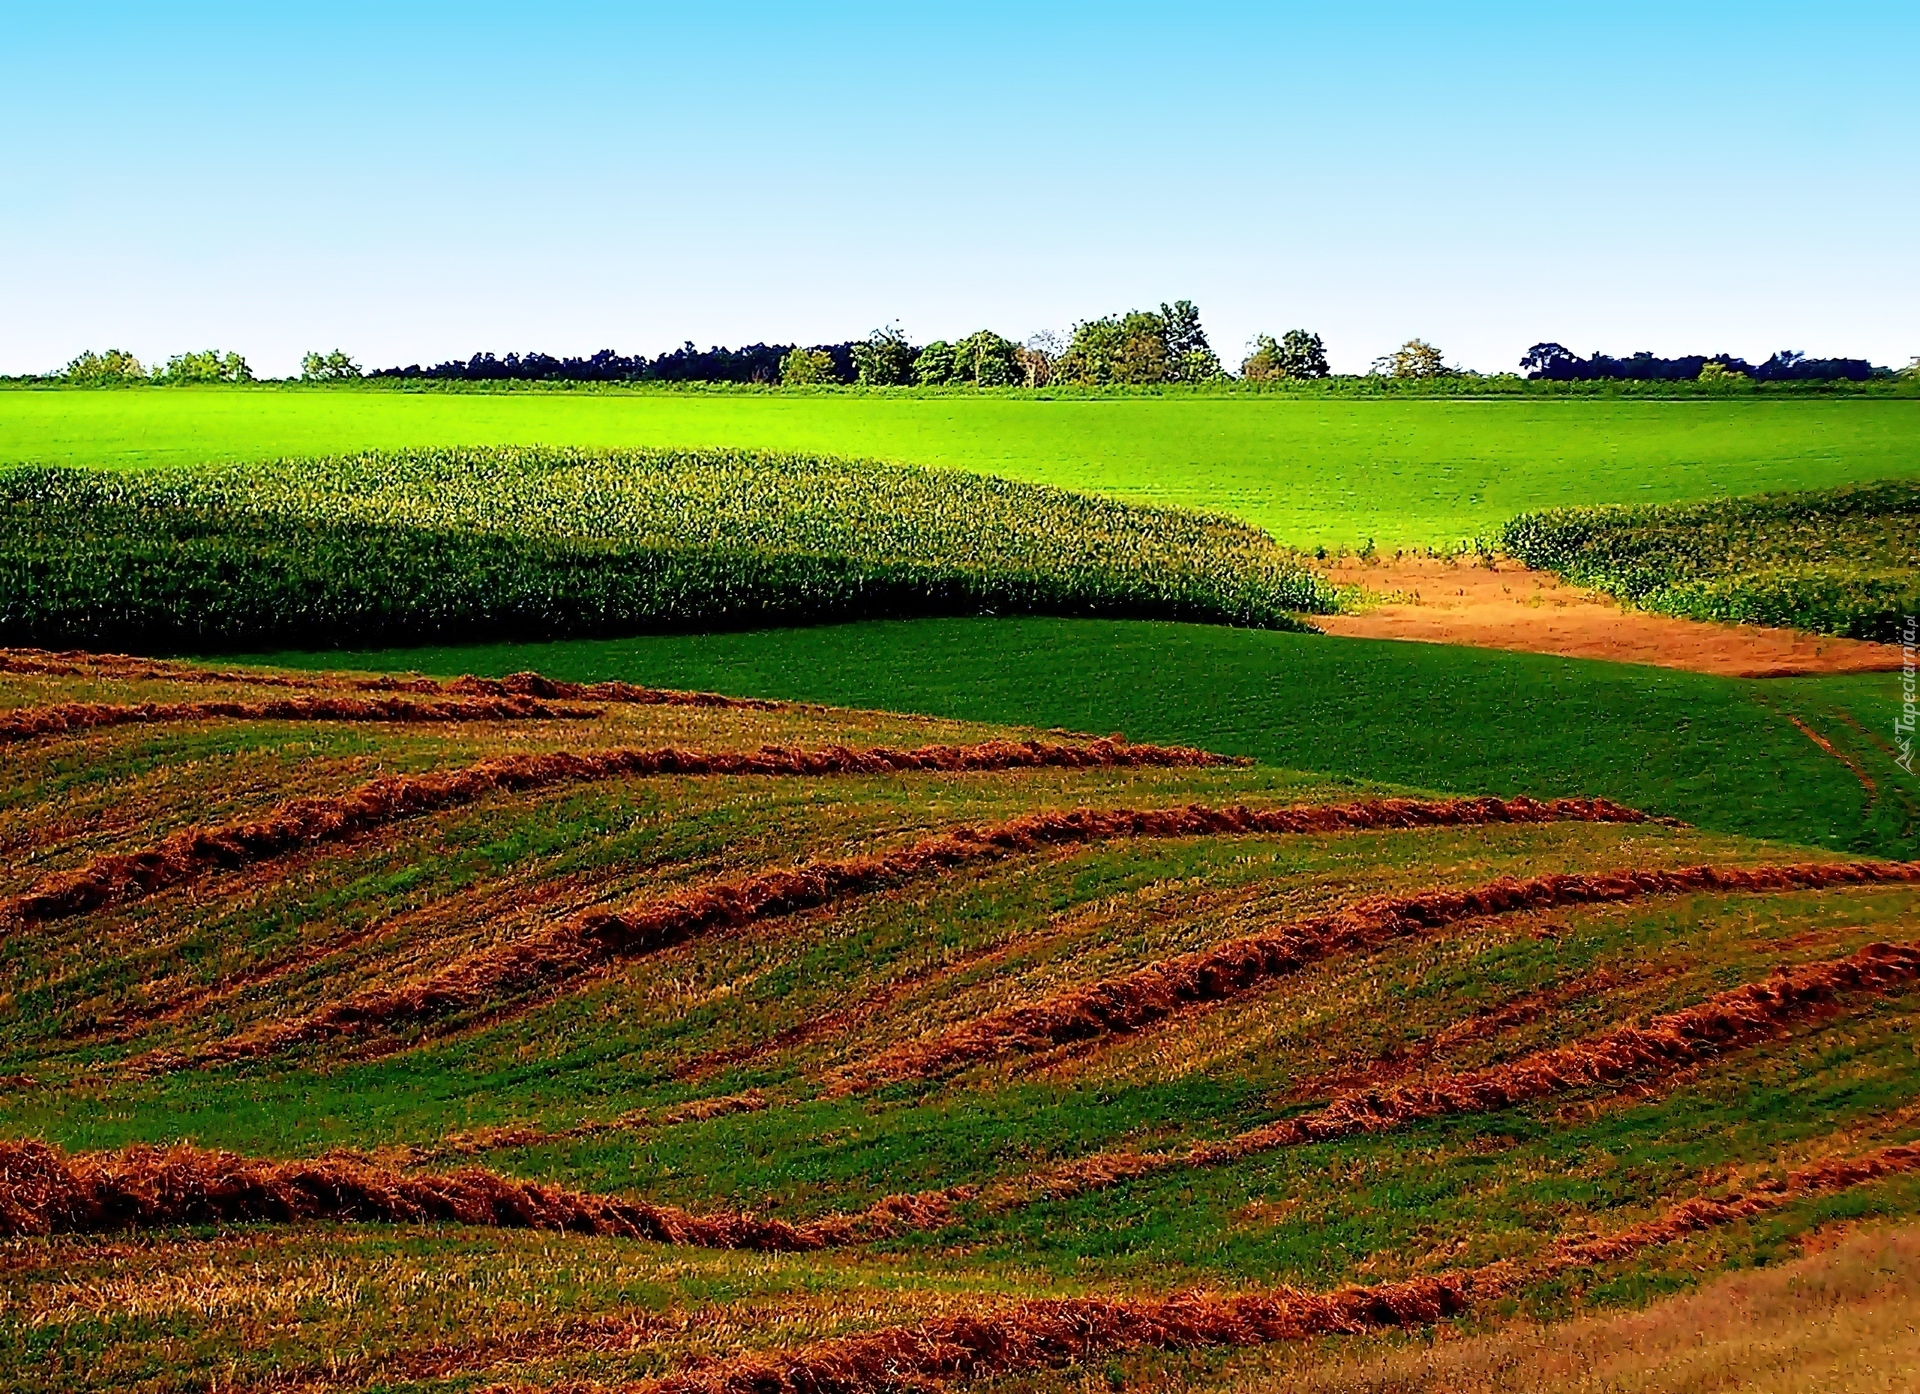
[1903, 724]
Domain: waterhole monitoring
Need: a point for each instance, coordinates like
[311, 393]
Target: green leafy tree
[1129, 348]
[803, 367]
[987, 360]
[1298, 354]
[1416, 358]
[1303, 354]
[935, 365]
[1715, 374]
[108, 369]
[328, 367]
[208, 366]
[1262, 363]
[1190, 358]
[982, 359]
[886, 359]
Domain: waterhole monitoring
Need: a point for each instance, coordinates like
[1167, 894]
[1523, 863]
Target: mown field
[594, 1036]
[1325, 471]
[1722, 753]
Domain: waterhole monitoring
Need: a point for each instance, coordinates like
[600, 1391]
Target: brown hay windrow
[1050, 1333]
[305, 822]
[1485, 1024]
[128, 668]
[494, 1139]
[25, 723]
[596, 937]
[1130, 1001]
[1730, 1020]
[44, 1190]
[534, 685]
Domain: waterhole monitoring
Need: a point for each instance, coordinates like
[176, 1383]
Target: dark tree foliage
[754, 363]
[1557, 363]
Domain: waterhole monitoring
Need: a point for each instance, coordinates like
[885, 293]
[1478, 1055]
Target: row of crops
[506, 543]
[1837, 561]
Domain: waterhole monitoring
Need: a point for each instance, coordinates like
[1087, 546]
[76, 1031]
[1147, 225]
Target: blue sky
[417, 182]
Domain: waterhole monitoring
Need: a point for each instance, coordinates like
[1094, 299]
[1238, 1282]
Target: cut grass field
[1217, 1067]
[1722, 753]
[1312, 471]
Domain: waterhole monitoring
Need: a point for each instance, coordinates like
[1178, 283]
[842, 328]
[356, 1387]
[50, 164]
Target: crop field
[1841, 561]
[416, 546]
[592, 1032]
[1312, 470]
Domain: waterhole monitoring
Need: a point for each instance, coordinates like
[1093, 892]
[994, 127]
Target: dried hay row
[1485, 1024]
[25, 723]
[305, 822]
[1055, 1332]
[128, 668]
[44, 1190]
[480, 1140]
[1730, 1020]
[588, 940]
[1126, 1003]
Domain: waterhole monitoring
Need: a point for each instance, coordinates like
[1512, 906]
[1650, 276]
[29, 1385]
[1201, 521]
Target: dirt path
[1510, 607]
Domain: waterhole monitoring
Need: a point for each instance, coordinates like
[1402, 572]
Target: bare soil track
[298, 823]
[587, 941]
[1447, 601]
[1133, 1000]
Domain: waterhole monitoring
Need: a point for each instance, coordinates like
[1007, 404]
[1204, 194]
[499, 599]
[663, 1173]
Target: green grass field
[1313, 471]
[1719, 752]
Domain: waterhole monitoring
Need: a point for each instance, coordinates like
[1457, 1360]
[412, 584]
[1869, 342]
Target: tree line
[1138, 348]
[1556, 363]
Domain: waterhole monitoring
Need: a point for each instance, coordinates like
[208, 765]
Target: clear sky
[414, 182]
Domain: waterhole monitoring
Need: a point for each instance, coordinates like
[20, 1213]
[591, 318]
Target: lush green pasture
[1312, 470]
[1837, 561]
[1718, 752]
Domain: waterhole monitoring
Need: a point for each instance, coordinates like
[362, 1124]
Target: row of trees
[117, 366]
[1556, 362]
[1141, 347]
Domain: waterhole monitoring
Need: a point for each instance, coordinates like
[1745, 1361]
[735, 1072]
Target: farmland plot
[672, 1042]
